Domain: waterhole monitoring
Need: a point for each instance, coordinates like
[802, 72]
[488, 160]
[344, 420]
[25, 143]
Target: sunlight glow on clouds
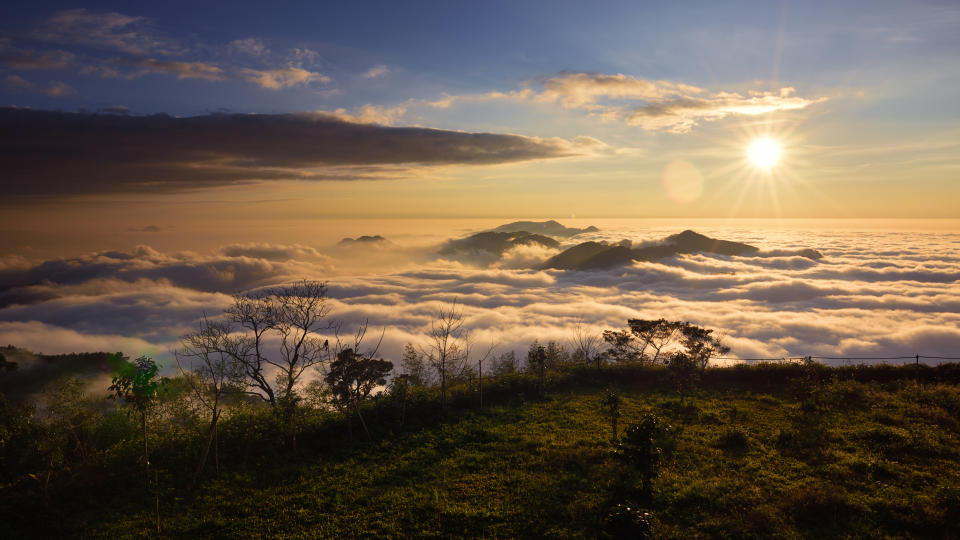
[873, 294]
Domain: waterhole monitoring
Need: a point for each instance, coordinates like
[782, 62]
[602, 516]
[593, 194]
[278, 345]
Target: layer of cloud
[873, 294]
[47, 152]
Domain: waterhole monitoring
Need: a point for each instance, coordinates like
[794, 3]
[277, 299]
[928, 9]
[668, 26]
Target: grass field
[840, 458]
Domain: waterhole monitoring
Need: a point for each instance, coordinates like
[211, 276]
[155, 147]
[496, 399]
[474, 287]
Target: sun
[764, 153]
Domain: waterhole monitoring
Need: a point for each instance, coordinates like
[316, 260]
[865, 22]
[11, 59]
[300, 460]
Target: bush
[628, 521]
[733, 440]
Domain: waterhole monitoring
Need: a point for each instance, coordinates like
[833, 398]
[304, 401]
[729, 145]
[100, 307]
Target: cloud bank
[873, 294]
[47, 152]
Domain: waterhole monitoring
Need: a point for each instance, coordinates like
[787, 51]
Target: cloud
[272, 252]
[55, 153]
[17, 83]
[182, 70]
[249, 46]
[376, 71]
[150, 297]
[302, 57]
[651, 105]
[105, 30]
[116, 109]
[680, 115]
[276, 79]
[16, 58]
[371, 114]
[58, 89]
[584, 90]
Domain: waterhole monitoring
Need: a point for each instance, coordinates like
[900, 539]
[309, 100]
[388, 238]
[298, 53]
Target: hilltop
[861, 452]
[598, 255]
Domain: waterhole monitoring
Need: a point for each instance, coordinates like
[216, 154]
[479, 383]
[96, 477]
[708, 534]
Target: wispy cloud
[182, 70]
[17, 58]
[249, 46]
[276, 79]
[105, 30]
[652, 105]
[376, 71]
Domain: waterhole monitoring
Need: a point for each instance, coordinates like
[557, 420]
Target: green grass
[746, 460]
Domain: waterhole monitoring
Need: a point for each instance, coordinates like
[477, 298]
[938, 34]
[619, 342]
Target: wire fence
[846, 360]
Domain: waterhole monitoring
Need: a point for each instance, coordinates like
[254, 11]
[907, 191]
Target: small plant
[628, 521]
[640, 449]
[733, 440]
[610, 409]
[685, 372]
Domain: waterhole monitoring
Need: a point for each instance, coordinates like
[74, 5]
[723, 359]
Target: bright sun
[764, 153]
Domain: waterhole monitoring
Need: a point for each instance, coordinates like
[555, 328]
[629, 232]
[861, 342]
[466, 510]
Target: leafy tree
[137, 384]
[6, 365]
[700, 344]
[628, 346]
[537, 362]
[640, 450]
[685, 372]
[413, 366]
[351, 379]
[610, 409]
[506, 364]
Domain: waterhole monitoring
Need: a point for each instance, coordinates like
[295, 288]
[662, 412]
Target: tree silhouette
[137, 384]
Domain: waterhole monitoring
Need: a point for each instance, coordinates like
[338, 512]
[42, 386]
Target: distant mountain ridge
[496, 243]
[375, 239]
[550, 228]
[597, 255]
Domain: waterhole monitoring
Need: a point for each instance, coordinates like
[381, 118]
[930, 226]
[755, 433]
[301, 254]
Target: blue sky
[853, 91]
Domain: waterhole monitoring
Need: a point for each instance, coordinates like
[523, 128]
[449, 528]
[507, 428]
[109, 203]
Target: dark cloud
[56, 153]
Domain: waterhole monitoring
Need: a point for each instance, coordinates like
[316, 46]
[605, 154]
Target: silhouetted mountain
[593, 255]
[551, 228]
[496, 243]
[376, 239]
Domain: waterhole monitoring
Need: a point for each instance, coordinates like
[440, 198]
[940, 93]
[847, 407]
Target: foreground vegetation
[769, 450]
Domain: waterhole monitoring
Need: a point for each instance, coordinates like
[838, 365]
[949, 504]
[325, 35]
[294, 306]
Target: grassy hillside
[756, 453]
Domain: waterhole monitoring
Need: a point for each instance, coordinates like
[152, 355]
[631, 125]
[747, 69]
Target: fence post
[917, 370]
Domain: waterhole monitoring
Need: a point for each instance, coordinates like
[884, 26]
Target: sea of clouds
[874, 293]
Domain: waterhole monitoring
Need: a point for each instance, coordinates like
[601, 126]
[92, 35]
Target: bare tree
[295, 314]
[487, 355]
[446, 345]
[211, 372]
[273, 333]
[585, 344]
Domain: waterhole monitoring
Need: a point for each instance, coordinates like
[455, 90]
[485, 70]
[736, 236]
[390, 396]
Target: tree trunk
[146, 455]
[480, 370]
[211, 436]
[356, 407]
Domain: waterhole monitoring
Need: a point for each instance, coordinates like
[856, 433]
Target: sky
[157, 157]
[193, 113]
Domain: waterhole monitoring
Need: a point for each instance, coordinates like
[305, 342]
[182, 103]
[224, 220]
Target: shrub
[641, 451]
[628, 521]
[733, 440]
